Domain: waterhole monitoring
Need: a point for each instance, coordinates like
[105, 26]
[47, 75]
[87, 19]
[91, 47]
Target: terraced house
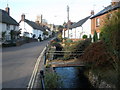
[9, 26]
[31, 29]
[98, 20]
[77, 29]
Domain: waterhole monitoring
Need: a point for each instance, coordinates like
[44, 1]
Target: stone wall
[97, 82]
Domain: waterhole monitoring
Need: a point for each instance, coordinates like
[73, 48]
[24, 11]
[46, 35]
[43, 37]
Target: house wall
[38, 33]
[73, 33]
[49, 33]
[86, 28]
[63, 33]
[66, 34]
[4, 28]
[94, 26]
[78, 32]
[26, 28]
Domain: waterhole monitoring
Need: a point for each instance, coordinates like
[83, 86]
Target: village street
[18, 63]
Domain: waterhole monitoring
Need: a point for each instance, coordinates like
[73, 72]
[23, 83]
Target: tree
[60, 28]
[3, 35]
[18, 33]
[90, 37]
[95, 37]
[110, 35]
[12, 34]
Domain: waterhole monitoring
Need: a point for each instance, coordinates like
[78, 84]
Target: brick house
[97, 20]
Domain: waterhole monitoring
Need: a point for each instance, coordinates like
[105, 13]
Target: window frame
[97, 22]
[8, 26]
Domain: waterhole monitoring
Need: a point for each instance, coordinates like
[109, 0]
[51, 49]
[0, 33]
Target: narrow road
[18, 64]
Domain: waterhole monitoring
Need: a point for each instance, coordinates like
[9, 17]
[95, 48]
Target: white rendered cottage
[30, 29]
[7, 24]
[77, 30]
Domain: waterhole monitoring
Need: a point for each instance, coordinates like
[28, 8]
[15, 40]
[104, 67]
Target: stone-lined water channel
[72, 77]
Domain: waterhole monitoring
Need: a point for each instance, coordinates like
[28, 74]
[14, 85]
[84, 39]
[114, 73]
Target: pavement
[18, 63]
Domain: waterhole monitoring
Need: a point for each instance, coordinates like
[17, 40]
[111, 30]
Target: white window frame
[8, 26]
[97, 22]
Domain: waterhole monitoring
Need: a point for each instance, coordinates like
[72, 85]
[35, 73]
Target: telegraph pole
[68, 19]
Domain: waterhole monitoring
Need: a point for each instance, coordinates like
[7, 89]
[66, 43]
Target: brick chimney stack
[114, 2]
[7, 9]
[92, 12]
[23, 17]
[37, 22]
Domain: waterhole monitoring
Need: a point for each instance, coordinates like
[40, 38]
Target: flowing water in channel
[72, 77]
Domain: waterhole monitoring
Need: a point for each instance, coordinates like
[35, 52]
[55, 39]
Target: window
[14, 27]
[97, 22]
[8, 37]
[8, 27]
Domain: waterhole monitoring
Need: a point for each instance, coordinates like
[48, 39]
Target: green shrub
[68, 41]
[90, 37]
[3, 35]
[51, 80]
[57, 45]
[75, 49]
[8, 45]
[110, 34]
[60, 37]
[84, 36]
[27, 39]
[95, 37]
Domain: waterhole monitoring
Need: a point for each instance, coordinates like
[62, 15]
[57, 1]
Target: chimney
[41, 19]
[37, 22]
[115, 2]
[23, 17]
[92, 12]
[7, 10]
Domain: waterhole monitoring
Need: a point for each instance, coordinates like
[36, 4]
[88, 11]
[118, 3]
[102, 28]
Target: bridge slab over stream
[69, 63]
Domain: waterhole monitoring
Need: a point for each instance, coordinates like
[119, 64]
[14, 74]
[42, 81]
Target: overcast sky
[54, 11]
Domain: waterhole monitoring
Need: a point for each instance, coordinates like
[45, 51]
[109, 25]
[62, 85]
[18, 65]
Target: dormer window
[97, 22]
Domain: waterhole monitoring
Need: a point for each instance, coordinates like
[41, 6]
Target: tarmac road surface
[18, 64]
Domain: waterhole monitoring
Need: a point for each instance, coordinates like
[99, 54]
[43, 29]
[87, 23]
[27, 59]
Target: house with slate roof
[31, 29]
[7, 24]
[97, 20]
[43, 22]
[47, 29]
[78, 29]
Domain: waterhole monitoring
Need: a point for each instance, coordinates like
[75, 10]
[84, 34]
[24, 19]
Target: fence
[39, 66]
